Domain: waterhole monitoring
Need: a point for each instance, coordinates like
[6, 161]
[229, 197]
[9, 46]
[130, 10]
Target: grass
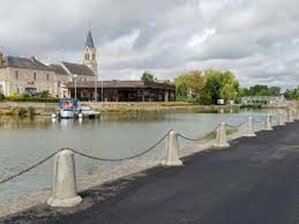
[212, 135]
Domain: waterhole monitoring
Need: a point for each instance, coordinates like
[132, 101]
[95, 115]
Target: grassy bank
[121, 107]
[38, 108]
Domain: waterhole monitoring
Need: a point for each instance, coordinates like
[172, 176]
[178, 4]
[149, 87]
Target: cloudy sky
[257, 39]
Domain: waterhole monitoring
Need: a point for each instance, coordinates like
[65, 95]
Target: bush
[25, 98]
[2, 97]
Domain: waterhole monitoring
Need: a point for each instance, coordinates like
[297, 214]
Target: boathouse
[117, 91]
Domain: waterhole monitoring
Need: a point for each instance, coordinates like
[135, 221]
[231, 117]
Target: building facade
[123, 91]
[19, 75]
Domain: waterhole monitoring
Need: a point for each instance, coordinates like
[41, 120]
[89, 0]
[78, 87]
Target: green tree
[189, 85]
[219, 85]
[292, 94]
[146, 76]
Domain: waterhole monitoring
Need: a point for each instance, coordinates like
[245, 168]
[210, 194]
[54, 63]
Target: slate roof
[78, 69]
[25, 63]
[58, 69]
[89, 41]
[123, 85]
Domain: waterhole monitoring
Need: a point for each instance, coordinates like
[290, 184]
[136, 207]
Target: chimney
[1, 60]
[33, 59]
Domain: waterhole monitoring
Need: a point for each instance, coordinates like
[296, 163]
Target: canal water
[23, 142]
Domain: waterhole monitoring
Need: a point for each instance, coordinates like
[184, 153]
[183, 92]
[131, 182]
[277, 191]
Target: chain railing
[235, 126]
[29, 168]
[26, 170]
[197, 139]
[121, 159]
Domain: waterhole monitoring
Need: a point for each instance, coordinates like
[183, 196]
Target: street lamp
[75, 79]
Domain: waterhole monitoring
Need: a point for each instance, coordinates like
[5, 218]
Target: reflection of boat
[67, 108]
[86, 111]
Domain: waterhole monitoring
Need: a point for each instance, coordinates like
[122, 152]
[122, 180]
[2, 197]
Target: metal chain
[235, 126]
[259, 121]
[30, 168]
[121, 159]
[197, 139]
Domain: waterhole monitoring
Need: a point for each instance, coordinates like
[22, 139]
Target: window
[48, 77]
[34, 75]
[17, 74]
[86, 56]
[93, 56]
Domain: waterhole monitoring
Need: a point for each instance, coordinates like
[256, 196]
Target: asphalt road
[256, 180]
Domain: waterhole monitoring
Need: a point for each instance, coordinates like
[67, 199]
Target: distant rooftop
[25, 63]
[78, 69]
[58, 69]
[120, 84]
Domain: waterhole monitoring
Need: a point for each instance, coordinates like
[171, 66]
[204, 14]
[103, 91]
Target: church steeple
[89, 41]
[90, 53]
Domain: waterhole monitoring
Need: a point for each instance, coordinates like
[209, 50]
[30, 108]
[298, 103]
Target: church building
[20, 75]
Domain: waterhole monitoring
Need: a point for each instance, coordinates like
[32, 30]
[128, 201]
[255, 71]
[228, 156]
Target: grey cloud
[253, 38]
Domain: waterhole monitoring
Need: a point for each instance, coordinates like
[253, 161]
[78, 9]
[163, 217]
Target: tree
[292, 94]
[218, 85]
[189, 85]
[261, 90]
[146, 76]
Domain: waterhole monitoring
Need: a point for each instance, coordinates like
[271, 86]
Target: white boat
[87, 112]
[67, 113]
[67, 108]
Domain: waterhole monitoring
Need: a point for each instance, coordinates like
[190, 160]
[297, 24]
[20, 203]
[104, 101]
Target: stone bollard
[249, 128]
[290, 116]
[281, 119]
[64, 186]
[268, 126]
[172, 148]
[221, 138]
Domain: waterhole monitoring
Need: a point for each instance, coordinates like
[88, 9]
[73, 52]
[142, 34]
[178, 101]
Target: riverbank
[133, 170]
[32, 108]
[250, 186]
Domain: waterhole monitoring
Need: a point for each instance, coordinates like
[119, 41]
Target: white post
[290, 116]
[249, 131]
[221, 137]
[281, 121]
[64, 186]
[268, 126]
[172, 147]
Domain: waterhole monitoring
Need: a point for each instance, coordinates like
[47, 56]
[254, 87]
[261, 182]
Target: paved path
[256, 180]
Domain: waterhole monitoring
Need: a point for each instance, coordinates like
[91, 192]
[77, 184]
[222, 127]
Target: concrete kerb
[172, 150]
[64, 183]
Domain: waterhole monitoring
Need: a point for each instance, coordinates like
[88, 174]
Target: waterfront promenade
[255, 180]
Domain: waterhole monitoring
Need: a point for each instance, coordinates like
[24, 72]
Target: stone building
[19, 75]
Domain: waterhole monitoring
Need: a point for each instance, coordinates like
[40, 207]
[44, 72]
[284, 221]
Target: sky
[256, 39]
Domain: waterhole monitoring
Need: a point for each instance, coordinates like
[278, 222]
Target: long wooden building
[117, 90]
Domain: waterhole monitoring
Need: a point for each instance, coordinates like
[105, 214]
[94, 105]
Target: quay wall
[38, 108]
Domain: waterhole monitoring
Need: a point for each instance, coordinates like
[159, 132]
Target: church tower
[90, 54]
